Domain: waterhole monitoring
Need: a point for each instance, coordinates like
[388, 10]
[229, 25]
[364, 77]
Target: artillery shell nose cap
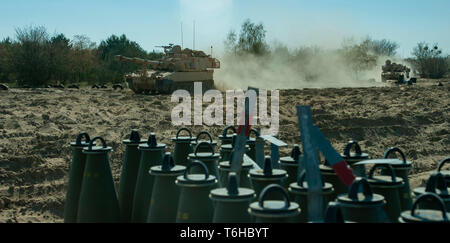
[232, 191]
[213, 142]
[426, 215]
[357, 155]
[227, 165]
[98, 149]
[226, 135]
[151, 144]
[179, 138]
[276, 173]
[134, 138]
[243, 193]
[268, 172]
[80, 143]
[274, 207]
[403, 163]
[168, 167]
[366, 197]
[295, 156]
[196, 179]
[91, 149]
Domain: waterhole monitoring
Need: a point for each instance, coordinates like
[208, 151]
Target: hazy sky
[293, 22]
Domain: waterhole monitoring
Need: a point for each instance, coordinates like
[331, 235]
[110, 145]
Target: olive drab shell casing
[333, 213]
[225, 152]
[194, 205]
[389, 187]
[274, 211]
[225, 137]
[75, 178]
[365, 207]
[209, 158]
[165, 195]
[445, 173]
[227, 149]
[330, 176]
[299, 194]
[204, 147]
[291, 164]
[98, 199]
[182, 147]
[251, 142]
[401, 170]
[426, 215]
[260, 179]
[357, 156]
[244, 179]
[151, 155]
[231, 203]
[438, 185]
[129, 174]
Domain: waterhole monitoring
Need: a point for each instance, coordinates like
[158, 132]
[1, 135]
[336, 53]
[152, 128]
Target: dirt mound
[37, 125]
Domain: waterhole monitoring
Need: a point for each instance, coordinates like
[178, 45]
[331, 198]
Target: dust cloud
[303, 68]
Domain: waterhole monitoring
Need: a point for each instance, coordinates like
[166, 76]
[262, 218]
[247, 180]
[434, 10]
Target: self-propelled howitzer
[177, 69]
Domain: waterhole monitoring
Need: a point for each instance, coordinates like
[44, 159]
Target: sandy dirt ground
[37, 125]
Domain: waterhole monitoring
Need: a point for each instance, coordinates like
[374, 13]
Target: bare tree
[82, 42]
[251, 40]
[230, 42]
[383, 47]
[429, 61]
[31, 56]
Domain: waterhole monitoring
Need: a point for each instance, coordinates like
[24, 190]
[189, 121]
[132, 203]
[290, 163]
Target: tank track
[189, 86]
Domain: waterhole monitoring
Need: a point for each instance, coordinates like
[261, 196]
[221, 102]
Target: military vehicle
[177, 69]
[394, 73]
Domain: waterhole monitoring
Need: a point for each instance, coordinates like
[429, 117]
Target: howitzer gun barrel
[137, 60]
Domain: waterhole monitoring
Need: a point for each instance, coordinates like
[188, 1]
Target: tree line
[35, 58]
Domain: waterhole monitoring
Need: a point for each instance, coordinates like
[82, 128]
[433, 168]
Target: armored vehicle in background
[177, 69]
[394, 73]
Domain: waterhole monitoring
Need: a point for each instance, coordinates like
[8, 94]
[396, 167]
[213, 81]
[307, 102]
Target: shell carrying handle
[225, 131]
[209, 145]
[80, 136]
[385, 166]
[233, 184]
[302, 177]
[204, 133]
[184, 129]
[442, 163]
[334, 213]
[94, 139]
[274, 188]
[436, 181]
[196, 163]
[349, 146]
[353, 191]
[134, 136]
[393, 150]
[435, 198]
